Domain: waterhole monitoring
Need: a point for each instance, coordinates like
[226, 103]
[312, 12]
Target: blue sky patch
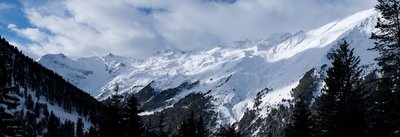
[224, 1]
[148, 10]
[12, 12]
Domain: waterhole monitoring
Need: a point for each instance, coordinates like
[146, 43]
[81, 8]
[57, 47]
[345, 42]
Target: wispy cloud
[32, 34]
[4, 6]
[141, 27]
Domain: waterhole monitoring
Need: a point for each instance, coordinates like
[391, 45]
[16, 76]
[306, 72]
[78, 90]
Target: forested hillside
[36, 101]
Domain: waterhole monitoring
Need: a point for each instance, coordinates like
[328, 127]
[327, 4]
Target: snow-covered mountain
[231, 74]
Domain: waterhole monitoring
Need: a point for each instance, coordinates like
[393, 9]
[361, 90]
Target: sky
[139, 28]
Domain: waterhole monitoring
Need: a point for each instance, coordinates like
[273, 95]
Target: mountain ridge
[232, 75]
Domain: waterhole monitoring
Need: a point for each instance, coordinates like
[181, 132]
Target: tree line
[347, 106]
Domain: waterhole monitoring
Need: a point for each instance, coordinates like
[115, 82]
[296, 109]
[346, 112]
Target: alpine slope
[232, 74]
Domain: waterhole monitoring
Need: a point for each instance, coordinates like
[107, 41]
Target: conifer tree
[113, 126]
[92, 132]
[68, 129]
[386, 110]
[192, 127]
[29, 125]
[228, 131]
[79, 128]
[149, 124]
[188, 127]
[53, 126]
[326, 111]
[191, 122]
[131, 121]
[161, 126]
[200, 129]
[183, 129]
[351, 112]
[301, 122]
[339, 108]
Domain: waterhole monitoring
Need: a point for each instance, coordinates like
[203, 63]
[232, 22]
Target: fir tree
[29, 125]
[191, 122]
[326, 110]
[53, 126]
[131, 120]
[301, 122]
[113, 126]
[79, 128]
[386, 110]
[339, 108]
[188, 127]
[351, 112]
[92, 132]
[36, 109]
[149, 125]
[183, 129]
[228, 131]
[29, 102]
[200, 129]
[192, 127]
[68, 129]
[161, 126]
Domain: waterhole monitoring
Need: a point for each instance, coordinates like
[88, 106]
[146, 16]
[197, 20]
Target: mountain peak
[233, 75]
[110, 55]
[59, 55]
[60, 58]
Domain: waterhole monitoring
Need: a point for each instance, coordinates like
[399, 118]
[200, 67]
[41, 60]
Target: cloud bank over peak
[140, 28]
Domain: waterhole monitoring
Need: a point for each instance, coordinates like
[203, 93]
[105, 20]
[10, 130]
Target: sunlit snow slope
[234, 73]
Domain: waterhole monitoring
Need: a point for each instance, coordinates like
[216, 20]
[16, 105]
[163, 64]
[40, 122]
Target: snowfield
[234, 73]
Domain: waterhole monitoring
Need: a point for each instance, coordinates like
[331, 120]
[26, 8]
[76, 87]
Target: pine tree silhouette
[301, 121]
[340, 109]
[385, 120]
[132, 123]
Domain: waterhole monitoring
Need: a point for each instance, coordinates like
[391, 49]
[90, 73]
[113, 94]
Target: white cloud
[32, 34]
[131, 28]
[25, 49]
